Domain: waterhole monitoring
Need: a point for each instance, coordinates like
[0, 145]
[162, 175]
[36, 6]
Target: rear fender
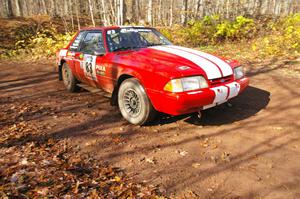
[60, 55]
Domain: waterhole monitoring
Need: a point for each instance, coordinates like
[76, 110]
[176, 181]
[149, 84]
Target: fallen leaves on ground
[50, 167]
[55, 169]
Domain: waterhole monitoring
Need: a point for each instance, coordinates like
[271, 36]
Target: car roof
[110, 27]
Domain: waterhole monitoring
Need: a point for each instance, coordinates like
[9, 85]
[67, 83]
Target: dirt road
[248, 150]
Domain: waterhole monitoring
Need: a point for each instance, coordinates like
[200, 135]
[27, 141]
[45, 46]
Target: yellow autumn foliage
[265, 38]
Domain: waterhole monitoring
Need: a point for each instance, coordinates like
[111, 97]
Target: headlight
[238, 72]
[186, 84]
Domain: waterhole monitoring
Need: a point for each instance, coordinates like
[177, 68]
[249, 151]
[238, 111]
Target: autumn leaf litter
[48, 167]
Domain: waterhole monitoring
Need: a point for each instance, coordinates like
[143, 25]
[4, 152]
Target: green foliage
[212, 29]
[267, 38]
[240, 28]
[200, 32]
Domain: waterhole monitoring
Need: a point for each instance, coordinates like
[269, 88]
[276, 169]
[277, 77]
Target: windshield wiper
[122, 48]
[153, 44]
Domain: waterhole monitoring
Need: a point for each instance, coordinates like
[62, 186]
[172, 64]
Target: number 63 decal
[89, 66]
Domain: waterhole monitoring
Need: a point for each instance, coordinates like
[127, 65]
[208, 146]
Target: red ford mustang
[144, 73]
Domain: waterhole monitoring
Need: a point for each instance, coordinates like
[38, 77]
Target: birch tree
[171, 13]
[91, 12]
[104, 13]
[184, 11]
[77, 14]
[17, 10]
[149, 13]
[121, 11]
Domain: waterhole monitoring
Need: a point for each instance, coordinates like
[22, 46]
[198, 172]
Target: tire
[69, 79]
[134, 103]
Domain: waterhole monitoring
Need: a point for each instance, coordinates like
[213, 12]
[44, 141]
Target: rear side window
[76, 42]
[92, 42]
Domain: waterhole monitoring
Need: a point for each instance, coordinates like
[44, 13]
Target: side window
[76, 42]
[113, 39]
[92, 42]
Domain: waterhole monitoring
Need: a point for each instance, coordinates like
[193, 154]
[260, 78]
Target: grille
[222, 80]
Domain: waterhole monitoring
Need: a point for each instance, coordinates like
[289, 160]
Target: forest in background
[255, 28]
[152, 12]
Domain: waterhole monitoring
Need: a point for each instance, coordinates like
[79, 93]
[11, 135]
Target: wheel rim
[66, 76]
[131, 103]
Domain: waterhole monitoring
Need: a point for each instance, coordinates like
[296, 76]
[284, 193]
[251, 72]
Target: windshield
[132, 38]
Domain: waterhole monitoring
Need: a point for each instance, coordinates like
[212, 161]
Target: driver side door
[91, 51]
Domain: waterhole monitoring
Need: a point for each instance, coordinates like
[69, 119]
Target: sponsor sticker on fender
[100, 70]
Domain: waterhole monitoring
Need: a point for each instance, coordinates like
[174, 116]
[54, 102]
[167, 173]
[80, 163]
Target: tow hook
[199, 114]
[229, 104]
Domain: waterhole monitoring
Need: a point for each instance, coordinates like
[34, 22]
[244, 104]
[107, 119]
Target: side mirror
[99, 52]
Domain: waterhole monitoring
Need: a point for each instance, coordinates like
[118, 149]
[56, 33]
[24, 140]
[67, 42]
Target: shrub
[283, 39]
[240, 28]
[211, 29]
[279, 37]
[43, 44]
[200, 32]
[167, 32]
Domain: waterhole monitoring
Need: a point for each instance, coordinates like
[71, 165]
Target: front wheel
[134, 103]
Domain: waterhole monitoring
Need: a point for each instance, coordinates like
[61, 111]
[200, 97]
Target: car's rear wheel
[69, 79]
[134, 103]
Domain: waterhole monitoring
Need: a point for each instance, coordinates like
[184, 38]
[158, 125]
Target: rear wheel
[134, 103]
[69, 79]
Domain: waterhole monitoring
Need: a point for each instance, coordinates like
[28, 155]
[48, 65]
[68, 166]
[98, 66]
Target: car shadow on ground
[250, 102]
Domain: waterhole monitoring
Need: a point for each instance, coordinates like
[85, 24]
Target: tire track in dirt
[249, 150]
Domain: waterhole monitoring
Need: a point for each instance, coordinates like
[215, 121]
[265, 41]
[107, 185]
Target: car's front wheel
[69, 79]
[134, 103]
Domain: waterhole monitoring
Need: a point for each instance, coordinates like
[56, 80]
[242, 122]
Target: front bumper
[193, 101]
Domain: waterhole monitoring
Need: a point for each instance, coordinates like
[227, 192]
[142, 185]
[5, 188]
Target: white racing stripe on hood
[224, 66]
[211, 70]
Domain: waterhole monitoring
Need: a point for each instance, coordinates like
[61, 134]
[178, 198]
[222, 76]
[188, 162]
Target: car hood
[170, 60]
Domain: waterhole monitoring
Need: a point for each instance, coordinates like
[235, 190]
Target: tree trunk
[138, 10]
[91, 12]
[149, 12]
[71, 14]
[159, 17]
[44, 9]
[121, 12]
[104, 13]
[10, 12]
[113, 13]
[77, 15]
[124, 10]
[133, 12]
[184, 12]
[197, 8]
[171, 13]
[17, 6]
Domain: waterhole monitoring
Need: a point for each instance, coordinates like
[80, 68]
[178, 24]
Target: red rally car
[144, 73]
